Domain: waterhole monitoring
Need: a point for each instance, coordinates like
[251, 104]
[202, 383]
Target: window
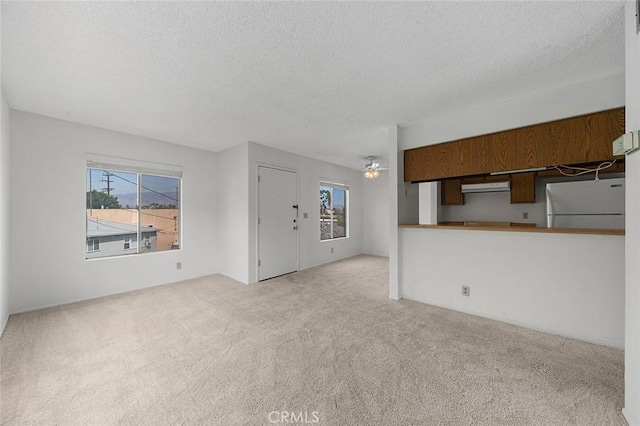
[131, 242]
[125, 206]
[93, 244]
[334, 219]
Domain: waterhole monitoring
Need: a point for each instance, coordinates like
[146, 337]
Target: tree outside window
[333, 211]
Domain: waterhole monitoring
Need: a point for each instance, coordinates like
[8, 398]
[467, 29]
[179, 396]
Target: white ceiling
[319, 79]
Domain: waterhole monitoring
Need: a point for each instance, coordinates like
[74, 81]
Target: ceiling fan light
[371, 173]
[371, 169]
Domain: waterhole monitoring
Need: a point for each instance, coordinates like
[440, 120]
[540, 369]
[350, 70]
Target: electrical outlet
[305, 215]
[178, 265]
[466, 290]
[331, 249]
[525, 215]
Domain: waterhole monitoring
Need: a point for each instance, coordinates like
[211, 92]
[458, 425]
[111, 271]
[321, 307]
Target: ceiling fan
[372, 168]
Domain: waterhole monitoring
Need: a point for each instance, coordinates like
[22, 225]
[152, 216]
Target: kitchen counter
[519, 228]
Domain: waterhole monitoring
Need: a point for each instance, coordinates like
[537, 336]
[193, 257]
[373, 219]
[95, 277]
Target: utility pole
[108, 189]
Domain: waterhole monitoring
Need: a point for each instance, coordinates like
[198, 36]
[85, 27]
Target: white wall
[430, 210]
[48, 265]
[438, 283]
[5, 153]
[396, 171]
[571, 285]
[233, 208]
[408, 199]
[632, 266]
[375, 215]
[569, 101]
[496, 206]
[310, 172]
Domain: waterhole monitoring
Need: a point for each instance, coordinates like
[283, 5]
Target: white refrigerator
[586, 204]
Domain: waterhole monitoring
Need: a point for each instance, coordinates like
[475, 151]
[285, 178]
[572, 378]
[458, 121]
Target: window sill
[120, 256]
[333, 239]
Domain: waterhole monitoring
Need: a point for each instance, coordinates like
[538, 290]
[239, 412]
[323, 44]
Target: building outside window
[334, 218]
[93, 244]
[124, 206]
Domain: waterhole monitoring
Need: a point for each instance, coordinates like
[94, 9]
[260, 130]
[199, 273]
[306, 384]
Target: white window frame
[101, 162]
[344, 187]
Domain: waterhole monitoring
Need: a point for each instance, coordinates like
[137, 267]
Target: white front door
[277, 222]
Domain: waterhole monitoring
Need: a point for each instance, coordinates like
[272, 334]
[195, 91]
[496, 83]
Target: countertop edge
[615, 232]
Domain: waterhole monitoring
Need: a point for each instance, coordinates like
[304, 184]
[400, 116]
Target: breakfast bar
[561, 281]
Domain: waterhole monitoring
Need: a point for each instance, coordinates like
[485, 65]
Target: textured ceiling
[319, 79]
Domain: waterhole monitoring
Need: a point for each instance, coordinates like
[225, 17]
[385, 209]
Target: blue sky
[124, 186]
[118, 183]
[337, 197]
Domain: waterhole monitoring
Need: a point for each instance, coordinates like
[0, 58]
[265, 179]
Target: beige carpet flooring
[325, 340]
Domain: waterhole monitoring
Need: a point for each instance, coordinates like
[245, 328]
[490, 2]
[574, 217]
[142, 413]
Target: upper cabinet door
[535, 147]
[476, 155]
[420, 164]
[433, 162]
[604, 126]
[573, 140]
[501, 152]
[449, 159]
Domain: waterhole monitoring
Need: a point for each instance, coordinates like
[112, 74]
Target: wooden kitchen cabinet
[577, 140]
[490, 152]
[419, 163]
[439, 161]
[535, 145]
[574, 135]
[501, 152]
[451, 192]
[523, 188]
[475, 155]
[450, 160]
[583, 138]
[601, 126]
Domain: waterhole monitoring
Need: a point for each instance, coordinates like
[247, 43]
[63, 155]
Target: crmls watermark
[299, 417]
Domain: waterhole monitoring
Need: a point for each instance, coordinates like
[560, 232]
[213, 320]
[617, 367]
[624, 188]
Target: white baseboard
[100, 296]
[604, 342]
[627, 416]
[3, 325]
